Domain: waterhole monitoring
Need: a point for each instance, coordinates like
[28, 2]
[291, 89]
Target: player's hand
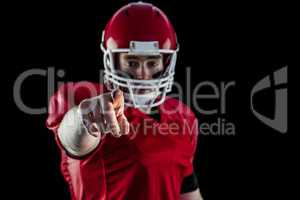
[104, 114]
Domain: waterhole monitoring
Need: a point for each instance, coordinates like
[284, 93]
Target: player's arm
[190, 188]
[82, 126]
[194, 195]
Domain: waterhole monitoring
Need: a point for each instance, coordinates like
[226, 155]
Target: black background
[220, 42]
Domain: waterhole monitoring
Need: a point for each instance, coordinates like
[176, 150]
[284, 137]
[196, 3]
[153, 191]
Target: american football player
[126, 139]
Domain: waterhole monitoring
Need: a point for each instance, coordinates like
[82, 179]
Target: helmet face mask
[138, 93]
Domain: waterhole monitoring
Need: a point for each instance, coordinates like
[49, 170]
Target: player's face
[141, 67]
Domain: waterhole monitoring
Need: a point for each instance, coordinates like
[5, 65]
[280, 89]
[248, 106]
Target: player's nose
[143, 73]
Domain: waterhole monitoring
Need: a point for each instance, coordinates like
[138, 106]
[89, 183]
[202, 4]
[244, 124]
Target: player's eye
[152, 63]
[133, 64]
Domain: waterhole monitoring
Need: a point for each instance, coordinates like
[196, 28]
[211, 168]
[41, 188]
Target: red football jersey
[149, 163]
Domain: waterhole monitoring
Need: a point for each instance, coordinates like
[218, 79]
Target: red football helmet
[140, 29]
